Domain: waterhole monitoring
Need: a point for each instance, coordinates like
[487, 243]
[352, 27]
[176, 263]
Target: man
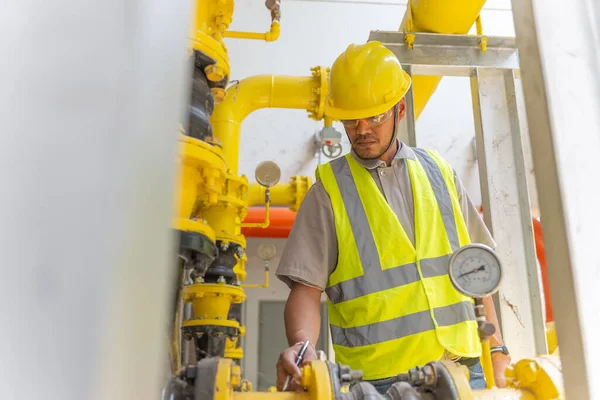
[375, 232]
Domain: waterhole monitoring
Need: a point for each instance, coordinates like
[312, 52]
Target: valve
[328, 141]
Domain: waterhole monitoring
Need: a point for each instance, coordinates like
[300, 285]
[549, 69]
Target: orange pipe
[281, 221]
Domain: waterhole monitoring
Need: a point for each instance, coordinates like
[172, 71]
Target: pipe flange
[322, 91]
[300, 186]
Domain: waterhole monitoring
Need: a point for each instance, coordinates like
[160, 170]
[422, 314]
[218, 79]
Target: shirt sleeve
[311, 250]
[478, 232]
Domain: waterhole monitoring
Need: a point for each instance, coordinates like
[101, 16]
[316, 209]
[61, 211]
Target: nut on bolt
[214, 73]
[218, 94]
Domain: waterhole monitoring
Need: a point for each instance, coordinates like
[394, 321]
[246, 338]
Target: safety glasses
[371, 121]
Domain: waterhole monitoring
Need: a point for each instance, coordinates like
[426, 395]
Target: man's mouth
[366, 143]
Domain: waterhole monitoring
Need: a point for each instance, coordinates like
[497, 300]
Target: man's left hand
[500, 361]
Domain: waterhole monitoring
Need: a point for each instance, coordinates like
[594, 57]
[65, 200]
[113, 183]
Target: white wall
[313, 33]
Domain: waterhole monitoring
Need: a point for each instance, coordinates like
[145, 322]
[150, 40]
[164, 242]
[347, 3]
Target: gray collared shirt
[311, 251]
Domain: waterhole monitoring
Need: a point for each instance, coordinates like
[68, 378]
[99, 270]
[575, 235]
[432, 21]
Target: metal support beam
[501, 162]
[408, 128]
[91, 101]
[506, 209]
[561, 87]
[450, 55]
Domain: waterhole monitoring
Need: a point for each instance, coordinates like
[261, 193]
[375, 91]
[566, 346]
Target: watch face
[475, 270]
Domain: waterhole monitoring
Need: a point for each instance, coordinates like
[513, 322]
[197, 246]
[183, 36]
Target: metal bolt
[218, 94]
[240, 253]
[356, 375]
[214, 73]
[221, 279]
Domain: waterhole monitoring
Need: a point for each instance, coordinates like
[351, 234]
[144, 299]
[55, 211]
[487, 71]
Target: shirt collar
[403, 152]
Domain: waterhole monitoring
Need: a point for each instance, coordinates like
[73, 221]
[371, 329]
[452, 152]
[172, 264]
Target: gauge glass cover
[475, 270]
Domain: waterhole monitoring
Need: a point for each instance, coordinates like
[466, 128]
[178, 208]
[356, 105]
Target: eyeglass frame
[372, 122]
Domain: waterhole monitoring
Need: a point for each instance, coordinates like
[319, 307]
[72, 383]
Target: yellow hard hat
[365, 80]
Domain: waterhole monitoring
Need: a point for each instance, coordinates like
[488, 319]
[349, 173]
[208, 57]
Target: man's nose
[363, 127]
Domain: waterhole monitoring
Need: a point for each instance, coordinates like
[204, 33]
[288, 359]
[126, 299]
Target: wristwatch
[499, 349]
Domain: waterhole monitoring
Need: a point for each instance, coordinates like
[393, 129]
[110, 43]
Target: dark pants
[476, 381]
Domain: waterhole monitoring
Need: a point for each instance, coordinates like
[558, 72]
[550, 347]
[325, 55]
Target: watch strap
[499, 349]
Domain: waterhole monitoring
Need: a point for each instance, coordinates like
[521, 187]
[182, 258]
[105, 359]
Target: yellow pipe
[261, 225]
[270, 36]
[290, 194]
[486, 363]
[259, 285]
[437, 16]
[263, 91]
[281, 194]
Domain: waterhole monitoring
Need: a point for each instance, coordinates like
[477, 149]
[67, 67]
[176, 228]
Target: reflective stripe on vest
[385, 296]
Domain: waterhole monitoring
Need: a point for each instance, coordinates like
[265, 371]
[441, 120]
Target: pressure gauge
[475, 270]
[266, 251]
[267, 174]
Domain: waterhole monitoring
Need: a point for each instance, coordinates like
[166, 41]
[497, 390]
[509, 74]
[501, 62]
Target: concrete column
[561, 84]
[507, 210]
[92, 96]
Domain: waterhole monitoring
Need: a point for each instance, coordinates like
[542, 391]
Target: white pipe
[92, 95]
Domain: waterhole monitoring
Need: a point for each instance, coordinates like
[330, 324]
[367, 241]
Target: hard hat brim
[338, 114]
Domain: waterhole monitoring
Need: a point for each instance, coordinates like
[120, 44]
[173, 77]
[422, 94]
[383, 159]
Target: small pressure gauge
[475, 270]
[267, 174]
[266, 251]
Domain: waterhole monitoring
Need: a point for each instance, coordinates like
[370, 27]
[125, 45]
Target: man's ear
[402, 109]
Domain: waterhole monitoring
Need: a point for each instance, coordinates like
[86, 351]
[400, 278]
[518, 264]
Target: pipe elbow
[266, 91]
[274, 33]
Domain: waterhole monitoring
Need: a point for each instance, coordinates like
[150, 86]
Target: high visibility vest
[393, 307]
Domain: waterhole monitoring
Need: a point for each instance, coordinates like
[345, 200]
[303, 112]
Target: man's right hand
[286, 365]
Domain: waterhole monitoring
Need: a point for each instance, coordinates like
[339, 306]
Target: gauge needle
[472, 272]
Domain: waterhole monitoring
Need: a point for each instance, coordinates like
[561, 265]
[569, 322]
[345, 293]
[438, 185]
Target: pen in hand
[298, 362]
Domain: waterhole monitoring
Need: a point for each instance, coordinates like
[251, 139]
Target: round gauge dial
[475, 270]
[266, 251]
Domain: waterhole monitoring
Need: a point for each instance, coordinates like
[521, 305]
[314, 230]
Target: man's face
[371, 137]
